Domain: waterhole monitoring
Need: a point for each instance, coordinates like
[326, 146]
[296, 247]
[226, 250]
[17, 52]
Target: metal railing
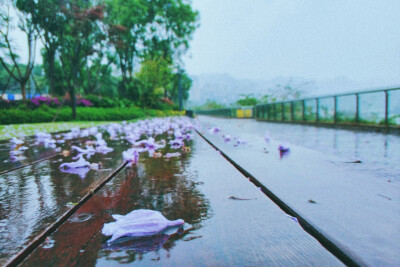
[241, 112]
[221, 112]
[374, 107]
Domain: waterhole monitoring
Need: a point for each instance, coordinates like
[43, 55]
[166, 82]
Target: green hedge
[46, 114]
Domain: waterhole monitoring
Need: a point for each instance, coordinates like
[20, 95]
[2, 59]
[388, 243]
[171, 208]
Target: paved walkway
[229, 221]
[357, 210]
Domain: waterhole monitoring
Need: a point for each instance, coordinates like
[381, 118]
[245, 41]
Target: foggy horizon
[314, 40]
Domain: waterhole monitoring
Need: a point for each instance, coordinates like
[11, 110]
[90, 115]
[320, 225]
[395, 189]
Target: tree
[248, 100]
[152, 80]
[148, 29]
[8, 56]
[7, 82]
[186, 84]
[49, 21]
[97, 77]
[79, 40]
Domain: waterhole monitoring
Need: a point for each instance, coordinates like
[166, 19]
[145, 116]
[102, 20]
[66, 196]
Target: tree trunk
[23, 90]
[73, 101]
[51, 71]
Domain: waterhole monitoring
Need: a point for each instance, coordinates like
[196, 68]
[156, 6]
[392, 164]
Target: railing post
[282, 112]
[317, 113]
[357, 107]
[265, 112]
[291, 111]
[304, 109]
[268, 111]
[274, 105]
[335, 109]
[386, 108]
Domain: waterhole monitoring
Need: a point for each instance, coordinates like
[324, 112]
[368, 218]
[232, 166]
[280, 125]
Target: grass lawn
[18, 130]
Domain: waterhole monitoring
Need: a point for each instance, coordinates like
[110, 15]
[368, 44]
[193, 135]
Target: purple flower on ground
[138, 223]
[89, 151]
[238, 141]
[172, 155]
[131, 155]
[283, 147]
[77, 164]
[175, 144]
[283, 150]
[214, 130]
[16, 141]
[267, 137]
[227, 138]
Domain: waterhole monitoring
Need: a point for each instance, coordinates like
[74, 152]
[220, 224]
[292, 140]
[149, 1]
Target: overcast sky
[314, 39]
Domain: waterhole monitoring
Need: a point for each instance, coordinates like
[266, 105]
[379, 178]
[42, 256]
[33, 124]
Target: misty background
[321, 47]
[318, 47]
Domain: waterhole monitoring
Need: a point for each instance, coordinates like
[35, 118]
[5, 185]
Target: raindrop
[81, 217]
[48, 243]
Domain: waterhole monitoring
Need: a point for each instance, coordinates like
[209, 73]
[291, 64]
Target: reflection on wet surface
[156, 184]
[196, 188]
[194, 185]
[35, 150]
[378, 152]
[33, 197]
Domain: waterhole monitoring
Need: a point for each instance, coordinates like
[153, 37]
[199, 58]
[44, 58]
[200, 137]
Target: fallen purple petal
[131, 155]
[227, 138]
[175, 144]
[172, 155]
[267, 137]
[77, 164]
[214, 130]
[138, 223]
[16, 141]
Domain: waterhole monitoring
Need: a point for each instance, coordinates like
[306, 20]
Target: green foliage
[46, 114]
[84, 41]
[210, 104]
[149, 30]
[248, 100]
[106, 102]
[9, 59]
[186, 84]
[6, 80]
[152, 81]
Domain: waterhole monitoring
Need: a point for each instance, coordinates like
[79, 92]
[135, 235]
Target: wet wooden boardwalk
[229, 221]
[353, 204]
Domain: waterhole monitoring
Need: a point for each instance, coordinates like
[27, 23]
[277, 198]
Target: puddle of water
[33, 197]
[48, 243]
[35, 151]
[154, 183]
[194, 187]
[80, 217]
[378, 152]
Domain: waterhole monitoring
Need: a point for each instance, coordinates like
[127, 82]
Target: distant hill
[226, 89]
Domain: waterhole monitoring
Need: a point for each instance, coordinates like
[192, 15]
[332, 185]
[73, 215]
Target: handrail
[318, 112]
[333, 95]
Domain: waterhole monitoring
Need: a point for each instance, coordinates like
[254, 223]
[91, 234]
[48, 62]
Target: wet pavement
[228, 221]
[33, 197]
[356, 205]
[378, 152]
